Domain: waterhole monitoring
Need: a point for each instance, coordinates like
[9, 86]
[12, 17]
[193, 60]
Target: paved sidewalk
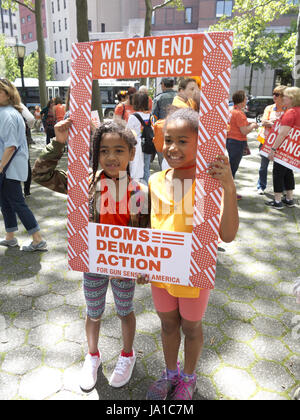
[252, 325]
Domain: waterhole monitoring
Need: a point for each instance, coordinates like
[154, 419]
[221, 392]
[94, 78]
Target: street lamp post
[20, 54]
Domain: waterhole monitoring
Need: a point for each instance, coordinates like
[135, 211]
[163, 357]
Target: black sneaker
[273, 203]
[288, 203]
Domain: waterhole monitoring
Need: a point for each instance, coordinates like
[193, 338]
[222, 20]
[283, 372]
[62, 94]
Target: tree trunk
[250, 80]
[147, 27]
[148, 18]
[41, 53]
[297, 55]
[83, 36]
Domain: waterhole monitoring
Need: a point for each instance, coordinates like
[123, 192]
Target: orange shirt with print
[238, 119]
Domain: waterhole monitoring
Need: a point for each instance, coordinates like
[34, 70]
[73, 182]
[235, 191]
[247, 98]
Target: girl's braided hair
[117, 127]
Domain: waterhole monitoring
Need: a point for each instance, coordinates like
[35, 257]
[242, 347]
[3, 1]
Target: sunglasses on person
[277, 94]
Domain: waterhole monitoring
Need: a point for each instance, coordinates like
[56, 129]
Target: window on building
[24, 37]
[102, 27]
[23, 20]
[89, 25]
[30, 36]
[68, 67]
[55, 49]
[188, 15]
[66, 23]
[67, 44]
[54, 27]
[224, 8]
[58, 6]
[62, 66]
[56, 68]
[59, 25]
[29, 18]
[60, 45]
[52, 6]
[65, 4]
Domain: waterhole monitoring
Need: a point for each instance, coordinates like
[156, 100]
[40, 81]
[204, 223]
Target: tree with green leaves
[296, 70]
[9, 64]
[36, 8]
[31, 65]
[83, 36]
[254, 44]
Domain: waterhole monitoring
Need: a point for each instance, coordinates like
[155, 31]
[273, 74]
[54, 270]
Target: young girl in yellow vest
[183, 307]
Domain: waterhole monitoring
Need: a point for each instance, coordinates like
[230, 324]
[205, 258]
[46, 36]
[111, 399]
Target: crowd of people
[120, 152]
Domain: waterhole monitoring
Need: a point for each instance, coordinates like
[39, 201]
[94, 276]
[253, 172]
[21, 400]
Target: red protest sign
[288, 153]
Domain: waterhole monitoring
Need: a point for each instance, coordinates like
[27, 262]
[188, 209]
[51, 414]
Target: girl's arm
[45, 170]
[229, 223]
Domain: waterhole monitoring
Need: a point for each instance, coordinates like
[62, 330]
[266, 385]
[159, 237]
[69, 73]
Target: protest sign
[188, 259]
[288, 153]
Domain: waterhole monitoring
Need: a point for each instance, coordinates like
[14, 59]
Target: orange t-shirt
[59, 112]
[238, 119]
[124, 111]
[113, 212]
[165, 215]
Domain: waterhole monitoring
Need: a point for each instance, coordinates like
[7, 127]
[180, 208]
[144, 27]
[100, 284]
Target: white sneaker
[123, 371]
[260, 191]
[88, 376]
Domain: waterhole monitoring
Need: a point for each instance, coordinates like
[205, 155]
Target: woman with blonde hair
[271, 114]
[14, 170]
[283, 177]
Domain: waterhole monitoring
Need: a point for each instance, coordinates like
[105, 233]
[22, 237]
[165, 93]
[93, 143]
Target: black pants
[283, 178]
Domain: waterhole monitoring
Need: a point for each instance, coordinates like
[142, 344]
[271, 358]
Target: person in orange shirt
[124, 109]
[59, 109]
[238, 130]
[184, 306]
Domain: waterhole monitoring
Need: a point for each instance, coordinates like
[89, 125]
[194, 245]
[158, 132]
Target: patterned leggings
[95, 289]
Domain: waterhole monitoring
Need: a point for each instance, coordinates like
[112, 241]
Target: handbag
[2, 175]
[246, 151]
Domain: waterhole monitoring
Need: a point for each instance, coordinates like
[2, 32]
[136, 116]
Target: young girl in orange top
[184, 306]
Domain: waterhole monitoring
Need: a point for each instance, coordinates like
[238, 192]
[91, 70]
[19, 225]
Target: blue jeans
[235, 149]
[13, 204]
[263, 173]
[147, 161]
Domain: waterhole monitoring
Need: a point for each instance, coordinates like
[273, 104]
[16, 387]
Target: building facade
[9, 25]
[116, 19]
